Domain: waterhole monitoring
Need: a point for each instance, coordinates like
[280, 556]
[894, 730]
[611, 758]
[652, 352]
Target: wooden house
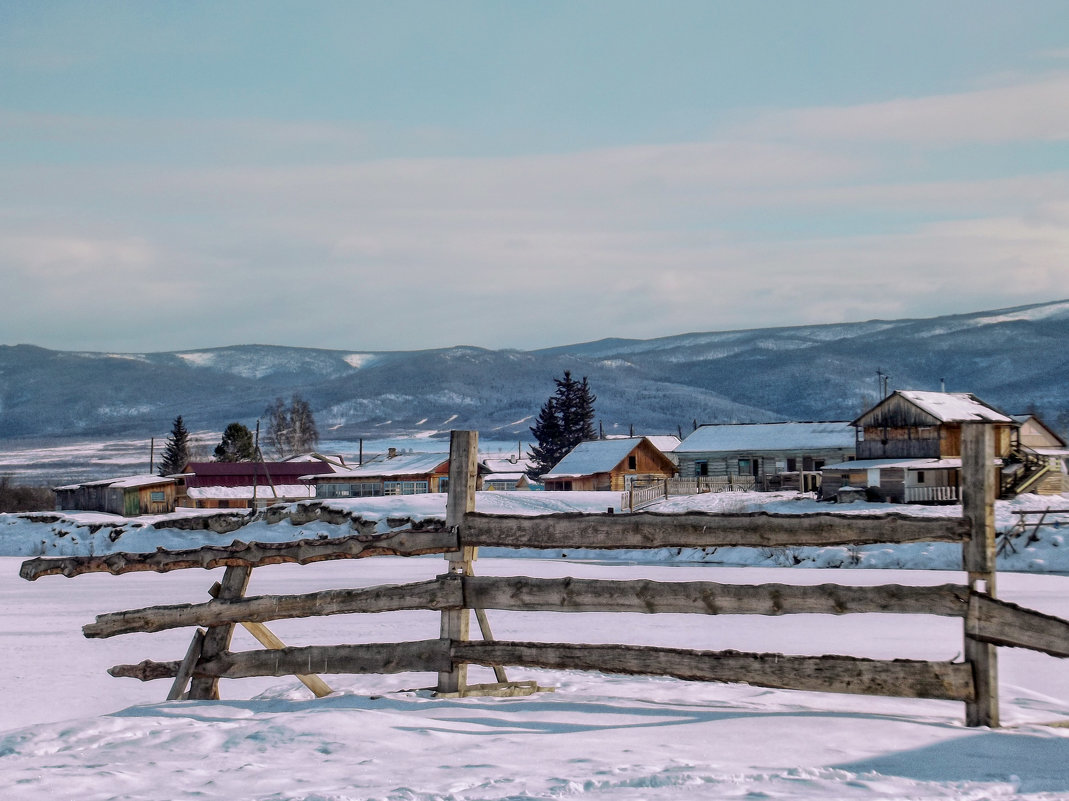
[785, 455]
[506, 474]
[909, 446]
[129, 496]
[247, 485]
[391, 474]
[609, 464]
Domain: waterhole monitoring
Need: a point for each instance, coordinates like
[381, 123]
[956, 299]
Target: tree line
[291, 429]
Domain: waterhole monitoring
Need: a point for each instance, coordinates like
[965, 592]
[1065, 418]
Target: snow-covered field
[71, 731]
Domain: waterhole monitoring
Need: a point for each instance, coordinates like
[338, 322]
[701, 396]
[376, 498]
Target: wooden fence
[987, 622]
[929, 494]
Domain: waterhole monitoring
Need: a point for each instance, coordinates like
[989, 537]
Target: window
[156, 497]
[404, 487]
[632, 462]
[443, 484]
[920, 476]
[792, 464]
[224, 504]
[701, 467]
[745, 467]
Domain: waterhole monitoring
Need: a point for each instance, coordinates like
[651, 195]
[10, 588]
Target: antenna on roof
[942, 385]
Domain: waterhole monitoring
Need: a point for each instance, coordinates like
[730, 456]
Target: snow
[958, 407]
[594, 456]
[71, 731]
[769, 437]
[359, 360]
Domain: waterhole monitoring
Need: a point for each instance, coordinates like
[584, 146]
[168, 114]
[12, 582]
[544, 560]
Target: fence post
[463, 475]
[978, 555]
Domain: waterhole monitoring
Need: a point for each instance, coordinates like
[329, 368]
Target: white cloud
[1030, 111]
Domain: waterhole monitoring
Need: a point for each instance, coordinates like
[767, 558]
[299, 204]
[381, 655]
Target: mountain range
[1016, 359]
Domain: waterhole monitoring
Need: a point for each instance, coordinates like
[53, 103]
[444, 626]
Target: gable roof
[787, 436]
[944, 407]
[403, 464]
[595, 456]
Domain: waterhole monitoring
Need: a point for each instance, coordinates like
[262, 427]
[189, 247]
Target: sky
[408, 175]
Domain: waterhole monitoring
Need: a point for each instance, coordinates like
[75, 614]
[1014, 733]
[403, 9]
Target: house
[909, 446]
[247, 485]
[609, 464]
[506, 474]
[392, 474]
[129, 496]
[786, 455]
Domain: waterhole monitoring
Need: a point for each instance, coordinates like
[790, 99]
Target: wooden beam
[436, 594]
[520, 593]
[267, 639]
[422, 656]
[838, 674]
[463, 476]
[978, 555]
[699, 530]
[185, 667]
[525, 594]
[253, 554]
[1002, 623]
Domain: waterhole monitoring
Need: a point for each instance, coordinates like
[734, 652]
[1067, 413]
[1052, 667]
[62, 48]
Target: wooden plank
[421, 657]
[838, 674]
[1002, 623]
[217, 640]
[436, 594]
[505, 689]
[267, 638]
[426, 656]
[978, 510]
[703, 530]
[521, 593]
[409, 542]
[185, 667]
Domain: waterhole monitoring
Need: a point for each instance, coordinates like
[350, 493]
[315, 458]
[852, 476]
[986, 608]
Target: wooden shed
[128, 496]
[609, 465]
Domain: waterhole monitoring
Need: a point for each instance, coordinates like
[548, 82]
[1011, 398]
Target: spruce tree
[237, 445]
[565, 420]
[176, 452]
[547, 433]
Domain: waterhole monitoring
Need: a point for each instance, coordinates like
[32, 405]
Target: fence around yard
[987, 622]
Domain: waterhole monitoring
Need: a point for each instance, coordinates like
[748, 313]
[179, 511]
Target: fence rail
[987, 622]
[702, 484]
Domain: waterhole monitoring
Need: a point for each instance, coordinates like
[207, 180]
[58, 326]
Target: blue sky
[522, 174]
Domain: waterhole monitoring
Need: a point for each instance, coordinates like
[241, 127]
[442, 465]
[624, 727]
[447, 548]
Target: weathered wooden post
[235, 582]
[463, 475]
[978, 507]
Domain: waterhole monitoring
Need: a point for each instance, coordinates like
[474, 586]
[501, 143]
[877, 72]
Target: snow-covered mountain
[1014, 358]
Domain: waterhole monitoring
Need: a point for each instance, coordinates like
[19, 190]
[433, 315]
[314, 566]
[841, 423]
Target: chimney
[392, 452]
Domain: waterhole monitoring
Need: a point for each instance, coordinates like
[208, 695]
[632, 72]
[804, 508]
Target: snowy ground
[69, 730]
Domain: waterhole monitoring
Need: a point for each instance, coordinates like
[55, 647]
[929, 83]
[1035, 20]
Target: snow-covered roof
[124, 482]
[335, 460]
[503, 476]
[298, 491]
[769, 437]
[953, 407]
[594, 456]
[403, 464]
[909, 464]
[508, 466]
